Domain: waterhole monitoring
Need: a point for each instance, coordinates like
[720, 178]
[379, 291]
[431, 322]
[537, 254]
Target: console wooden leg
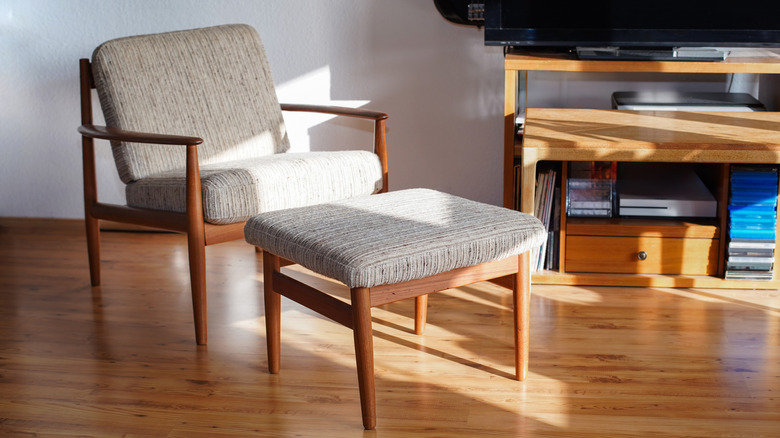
[521, 298]
[420, 313]
[364, 353]
[272, 312]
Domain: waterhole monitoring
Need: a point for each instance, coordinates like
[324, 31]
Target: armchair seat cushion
[234, 191]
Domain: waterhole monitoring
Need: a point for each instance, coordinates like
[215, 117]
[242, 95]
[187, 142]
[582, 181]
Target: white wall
[441, 86]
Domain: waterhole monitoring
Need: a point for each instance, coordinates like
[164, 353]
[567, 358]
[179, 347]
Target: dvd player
[608, 53]
[663, 189]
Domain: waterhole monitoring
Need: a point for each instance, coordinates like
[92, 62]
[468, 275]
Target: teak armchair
[198, 137]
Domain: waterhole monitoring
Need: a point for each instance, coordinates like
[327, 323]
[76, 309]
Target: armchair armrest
[192, 223]
[335, 110]
[108, 133]
[380, 142]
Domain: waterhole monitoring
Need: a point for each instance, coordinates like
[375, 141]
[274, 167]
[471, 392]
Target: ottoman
[389, 247]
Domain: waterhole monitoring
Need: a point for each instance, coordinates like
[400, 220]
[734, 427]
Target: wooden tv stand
[601, 251]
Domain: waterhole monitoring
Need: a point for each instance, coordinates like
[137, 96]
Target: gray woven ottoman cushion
[394, 237]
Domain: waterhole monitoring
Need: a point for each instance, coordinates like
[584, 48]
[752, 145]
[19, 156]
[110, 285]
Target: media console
[660, 252]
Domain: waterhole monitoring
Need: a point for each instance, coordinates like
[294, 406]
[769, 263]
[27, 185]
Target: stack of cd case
[590, 188]
[752, 222]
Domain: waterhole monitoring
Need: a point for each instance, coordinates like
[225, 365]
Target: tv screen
[632, 23]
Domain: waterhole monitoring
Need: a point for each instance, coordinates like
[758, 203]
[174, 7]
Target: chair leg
[272, 312]
[420, 313]
[521, 298]
[364, 353]
[93, 248]
[196, 246]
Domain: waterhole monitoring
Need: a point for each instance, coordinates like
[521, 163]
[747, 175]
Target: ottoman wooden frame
[511, 271]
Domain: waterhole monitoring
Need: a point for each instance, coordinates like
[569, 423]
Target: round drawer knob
[642, 255]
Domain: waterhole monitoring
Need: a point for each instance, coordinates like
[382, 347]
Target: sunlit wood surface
[120, 360]
[745, 60]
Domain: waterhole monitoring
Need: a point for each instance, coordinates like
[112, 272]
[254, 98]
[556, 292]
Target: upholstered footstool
[386, 248]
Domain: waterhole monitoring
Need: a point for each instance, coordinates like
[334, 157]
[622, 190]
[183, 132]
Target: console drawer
[641, 255]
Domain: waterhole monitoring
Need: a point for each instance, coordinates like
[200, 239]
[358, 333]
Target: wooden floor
[120, 359]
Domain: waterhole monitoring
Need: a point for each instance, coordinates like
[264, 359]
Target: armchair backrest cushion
[214, 83]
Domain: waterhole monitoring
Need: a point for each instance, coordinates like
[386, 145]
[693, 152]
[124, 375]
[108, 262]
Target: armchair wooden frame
[199, 233]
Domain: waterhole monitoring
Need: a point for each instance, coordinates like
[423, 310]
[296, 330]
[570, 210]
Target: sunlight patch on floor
[573, 295]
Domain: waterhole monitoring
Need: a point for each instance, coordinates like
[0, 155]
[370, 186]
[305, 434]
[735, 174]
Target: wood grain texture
[389, 293]
[766, 61]
[655, 227]
[118, 360]
[664, 136]
[622, 255]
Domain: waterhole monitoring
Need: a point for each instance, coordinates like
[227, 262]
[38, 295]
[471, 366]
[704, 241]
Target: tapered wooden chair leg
[197, 252]
[196, 244]
[364, 353]
[420, 313]
[90, 185]
[521, 294]
[93, 249]
[272, 312]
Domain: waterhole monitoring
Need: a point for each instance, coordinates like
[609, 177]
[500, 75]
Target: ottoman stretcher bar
[389, 247]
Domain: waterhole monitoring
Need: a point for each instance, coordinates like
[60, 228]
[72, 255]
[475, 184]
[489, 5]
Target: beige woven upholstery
[214, 83]
[199, 140]
[236, 190]
[394, 237]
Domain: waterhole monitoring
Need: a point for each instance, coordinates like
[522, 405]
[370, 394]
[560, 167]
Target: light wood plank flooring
[120, 359]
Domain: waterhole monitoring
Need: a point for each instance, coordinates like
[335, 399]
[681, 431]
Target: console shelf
[739, 61]
[682, 254]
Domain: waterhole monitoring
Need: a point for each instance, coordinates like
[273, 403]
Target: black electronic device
[466, 12]
[612, 28]
[684, 101]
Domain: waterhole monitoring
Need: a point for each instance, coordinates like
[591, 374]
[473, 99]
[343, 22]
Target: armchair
[199, 140]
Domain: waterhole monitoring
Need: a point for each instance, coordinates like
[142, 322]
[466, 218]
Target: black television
[652, 26]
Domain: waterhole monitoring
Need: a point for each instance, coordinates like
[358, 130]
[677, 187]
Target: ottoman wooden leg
[272, 311]
[420, 313]
[364, 353]
[521, 294]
